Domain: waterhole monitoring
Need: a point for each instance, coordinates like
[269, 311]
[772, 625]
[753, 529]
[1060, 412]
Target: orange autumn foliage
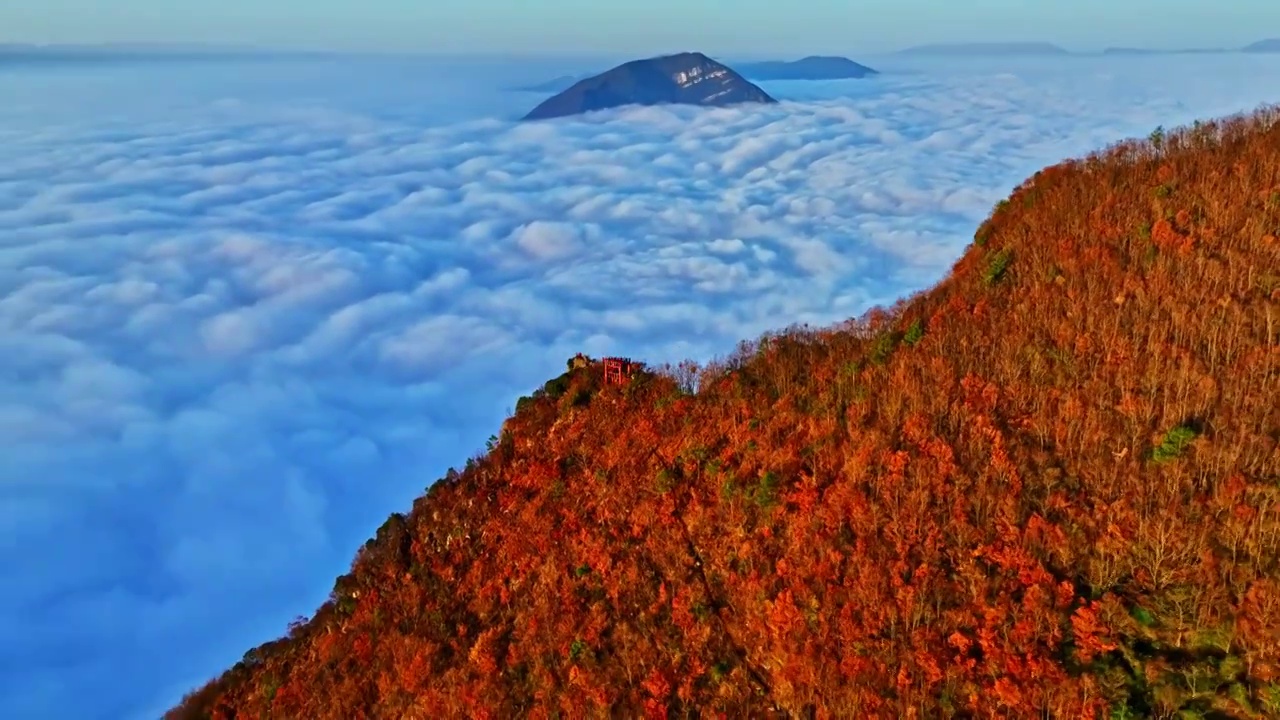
[1047, 487]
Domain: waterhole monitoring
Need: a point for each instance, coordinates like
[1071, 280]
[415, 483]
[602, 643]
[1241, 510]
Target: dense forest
[1047, 487]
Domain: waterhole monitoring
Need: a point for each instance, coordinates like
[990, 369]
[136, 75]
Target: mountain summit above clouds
[813, 67]
[686, 78]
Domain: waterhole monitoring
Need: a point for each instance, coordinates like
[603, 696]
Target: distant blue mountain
[814, 67]
[1263, 46]
[686, 78]
[1151, 51]
[560, 84]
[995, 48]
[1130, 51]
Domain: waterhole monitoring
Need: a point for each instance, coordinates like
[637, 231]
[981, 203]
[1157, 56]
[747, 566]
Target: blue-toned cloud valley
[247, 311]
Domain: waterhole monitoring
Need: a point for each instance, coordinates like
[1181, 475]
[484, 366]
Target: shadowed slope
[1048, 486]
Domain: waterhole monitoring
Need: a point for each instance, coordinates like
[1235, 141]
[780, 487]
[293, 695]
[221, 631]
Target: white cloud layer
[242, 325]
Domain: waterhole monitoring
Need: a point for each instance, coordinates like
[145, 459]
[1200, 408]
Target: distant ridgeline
[1049, 49]
[1048, 487]
[995, 48]
[1271, 45]
[686, 78]
[814, 67]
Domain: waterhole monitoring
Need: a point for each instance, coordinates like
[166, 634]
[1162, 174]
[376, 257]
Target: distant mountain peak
[812, 67]
[1263, 46]
[686, 78]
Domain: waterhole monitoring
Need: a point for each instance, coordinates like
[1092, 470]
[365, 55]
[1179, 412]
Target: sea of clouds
[248, 310]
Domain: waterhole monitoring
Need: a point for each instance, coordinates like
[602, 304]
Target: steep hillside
[1048, 487]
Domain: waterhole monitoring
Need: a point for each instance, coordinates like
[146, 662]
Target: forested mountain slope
[1047, 487]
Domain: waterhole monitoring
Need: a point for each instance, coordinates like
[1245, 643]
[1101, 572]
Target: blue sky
[590, 26]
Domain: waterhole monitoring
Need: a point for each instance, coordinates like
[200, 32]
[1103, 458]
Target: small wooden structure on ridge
[617, 370]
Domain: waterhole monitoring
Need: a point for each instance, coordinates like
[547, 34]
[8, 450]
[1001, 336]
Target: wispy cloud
[239, 333]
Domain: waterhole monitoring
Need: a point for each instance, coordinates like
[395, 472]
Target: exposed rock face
[686, 79]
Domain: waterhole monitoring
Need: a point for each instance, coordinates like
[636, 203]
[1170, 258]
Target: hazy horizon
[161, 49]
[655, 27]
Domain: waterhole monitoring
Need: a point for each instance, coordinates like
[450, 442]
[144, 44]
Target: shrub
[915, 333]
[997, 267]
[1174, 443]
[883, 347]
